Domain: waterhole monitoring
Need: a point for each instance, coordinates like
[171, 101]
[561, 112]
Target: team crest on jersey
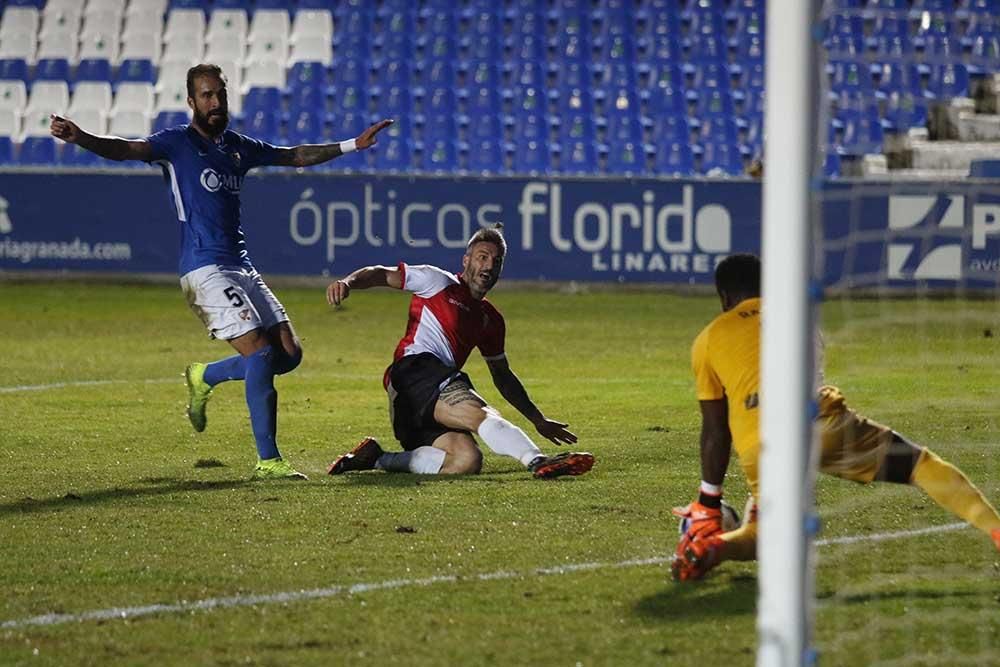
[245, 314]
[236, 158]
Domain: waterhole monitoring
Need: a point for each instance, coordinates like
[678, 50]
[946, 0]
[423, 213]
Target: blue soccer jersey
[205, 178]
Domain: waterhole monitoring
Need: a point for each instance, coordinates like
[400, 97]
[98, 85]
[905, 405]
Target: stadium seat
[305, 127]
[94, 121]
[264, 125]
[391, 101]
[831, 164]
[52, 69]
[578, 157]
[19, 20]
[58, 19]
[10, 123]
[6, 150]
[166, 119]
[99, 45]
[264, 74]
[36, 122]
[313, 48]
[183, 48]
[91, 96]
[437, 156]
[721, 159]
[51, 96]
[19, 45]
[129, 124]
[226, 46]
[483, 157]
[525, 127]
[348, 99]
[13, 94]
[138, 45]
[478, 128]
[93, 69]
[316, 22]
[134, 96]
[308, 74]
[625, 159]
[13, 69]
[229, 21]
[269, 25]
[347, 72]
[393, 155]
[528, 157]
[37, 150]
[185, 24]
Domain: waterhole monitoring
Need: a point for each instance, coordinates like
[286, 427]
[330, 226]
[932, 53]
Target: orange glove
[702, 521]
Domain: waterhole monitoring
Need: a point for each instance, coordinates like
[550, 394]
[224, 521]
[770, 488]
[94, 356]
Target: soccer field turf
[110, 501]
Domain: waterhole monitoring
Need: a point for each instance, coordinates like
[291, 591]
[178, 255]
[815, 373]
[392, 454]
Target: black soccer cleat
[567, 463]
[364, 456]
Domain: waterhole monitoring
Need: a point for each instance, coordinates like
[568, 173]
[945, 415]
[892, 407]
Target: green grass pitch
[108, 499]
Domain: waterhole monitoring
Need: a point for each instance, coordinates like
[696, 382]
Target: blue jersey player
[205, 164]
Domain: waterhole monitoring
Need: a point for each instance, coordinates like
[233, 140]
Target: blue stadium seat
[673, 159]
[722, 158]
[7, 150]
[889, 77]
[186, 4]
[136, 70]
[567, 47]
[714, 129]
[664, 129]
[390, 101]
[858, 133]
[525, 127]
[388, 73]
[748, 49]
[523, 100]
[749, 75]
[38, 151]
[477, 100]
[618, 128]
[748, 101]
[264, 125]
[524, 73]
[704, 48]
[841, 46]
[245, 5]
[74, 156]
[947, 81]
[305, 127]
[476, 47]
[745, 20]
[608, 100]
[482, 24]
[392, 46]
[437, 156]
[52, 69]
[662, 100]
[523, 47]
[904, 111]
[568, 75]
[529, 157]
[652, 21]
[348, 125]
[262, 99]
[93, 69]
[750, 130]
[478, 73]
[658, 48]
[435, 47]
[614, 75]
[433, 128]
[432, 21]
[983, 47]
[569, 100]
[578, 157]
[166, 119]
[612, 49]
[704, 75]
[349, 72]
[287, 5]
[13, 69]
[311, 99]
[484, 156]
[350, 44]
[849, 76]
[478, 128]
[711, 103]
[434, 74]
[309, 74]
[573, 128]
[348, 99]
[626, 159]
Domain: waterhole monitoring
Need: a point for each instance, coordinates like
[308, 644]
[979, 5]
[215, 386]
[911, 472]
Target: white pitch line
[122, 613]
[79, 383]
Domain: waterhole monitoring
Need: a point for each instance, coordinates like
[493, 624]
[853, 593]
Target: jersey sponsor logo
[940, 237]
[456, 302]
[6, 226]
[213, 181]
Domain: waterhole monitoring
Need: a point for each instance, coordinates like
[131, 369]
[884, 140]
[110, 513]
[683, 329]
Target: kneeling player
[432, 404]
[725, 359]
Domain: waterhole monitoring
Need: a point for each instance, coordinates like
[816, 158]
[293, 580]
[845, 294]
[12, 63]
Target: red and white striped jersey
[446, 320]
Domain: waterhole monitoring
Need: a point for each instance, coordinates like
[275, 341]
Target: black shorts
[414, 386]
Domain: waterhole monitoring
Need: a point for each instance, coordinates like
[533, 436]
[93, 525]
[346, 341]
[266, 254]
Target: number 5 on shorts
[233, 296]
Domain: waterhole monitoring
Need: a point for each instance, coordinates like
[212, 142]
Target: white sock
[504, 438]
[422, 461]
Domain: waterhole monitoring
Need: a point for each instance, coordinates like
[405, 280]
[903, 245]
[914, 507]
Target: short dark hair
[492, 235]
[204, 69]
[738, 275]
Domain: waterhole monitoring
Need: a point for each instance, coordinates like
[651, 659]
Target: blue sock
[262, 399]
[230, 368]
[285, 363]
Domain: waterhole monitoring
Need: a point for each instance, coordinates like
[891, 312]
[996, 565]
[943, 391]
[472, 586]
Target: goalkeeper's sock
[422, 461]
[262, 399]
[508, 440]
[952, 490]
[223, 370]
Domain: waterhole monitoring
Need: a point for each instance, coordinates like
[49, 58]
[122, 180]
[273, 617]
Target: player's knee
[288, 361]
[463, 461]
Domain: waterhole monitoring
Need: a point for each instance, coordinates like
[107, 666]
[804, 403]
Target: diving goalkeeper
[725, 358]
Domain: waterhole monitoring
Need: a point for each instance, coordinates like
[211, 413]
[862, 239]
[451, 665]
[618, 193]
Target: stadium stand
[622, 87]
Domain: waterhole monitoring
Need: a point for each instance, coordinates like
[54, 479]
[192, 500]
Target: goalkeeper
[725, 358]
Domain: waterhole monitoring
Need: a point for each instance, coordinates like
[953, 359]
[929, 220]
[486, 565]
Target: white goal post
[786, 494]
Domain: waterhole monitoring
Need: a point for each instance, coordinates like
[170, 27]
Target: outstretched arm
[369, 276]
[510, 387]
[111, 148]
[306, 155]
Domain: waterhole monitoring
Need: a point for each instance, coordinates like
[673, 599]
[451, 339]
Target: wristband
[711, 489]
[348, 146]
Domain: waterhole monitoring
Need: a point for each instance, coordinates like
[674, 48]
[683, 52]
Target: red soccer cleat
[567, 463]
[364, 456]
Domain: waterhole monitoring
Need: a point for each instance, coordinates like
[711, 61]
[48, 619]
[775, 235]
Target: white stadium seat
[19, 20]
[147, 7]
[19, 45]
[184, 24]
[172, 98]
[269, 24]
[312, 23]
[101, 23]
[13, 95]
[141, 46]
[227, 22]
[226, 47]
[183, 49]
[263, 75]
[91, 120]
[143, 23]
[10, 123]
[171, 75]
[269, 50]
[313, 48]
[134, 96]
[91, 96]
[58, 45]
[100, 45]
[48, 97]
[129, 124]
[116, 6]
[60, 21]
[36, 123]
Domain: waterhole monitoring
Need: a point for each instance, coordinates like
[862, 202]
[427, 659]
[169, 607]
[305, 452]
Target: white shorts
[231, 300]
